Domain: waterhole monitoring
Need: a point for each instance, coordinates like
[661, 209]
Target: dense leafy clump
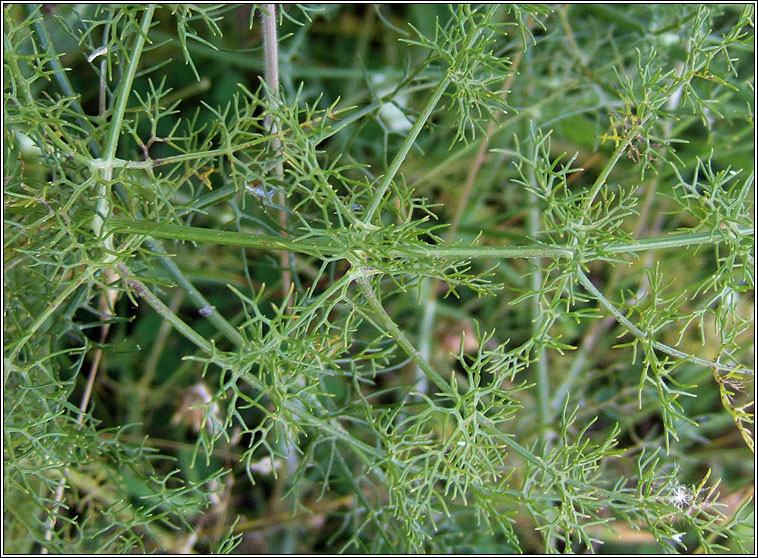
[418, 278]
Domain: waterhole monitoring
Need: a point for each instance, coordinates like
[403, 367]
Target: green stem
[125, 89]
[405, 148]
[323, 247]
[195, 296]
[180, 325]
[51, 308]
[222, 238]
[603, 176]
[634, 330]
[675, 240]
[359, 273]
[117, 119]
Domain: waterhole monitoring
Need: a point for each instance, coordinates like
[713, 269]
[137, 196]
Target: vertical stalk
[270, 48]
[542, 379]
[271, 76]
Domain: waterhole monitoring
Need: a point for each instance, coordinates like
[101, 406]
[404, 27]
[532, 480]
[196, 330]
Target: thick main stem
[327, 248]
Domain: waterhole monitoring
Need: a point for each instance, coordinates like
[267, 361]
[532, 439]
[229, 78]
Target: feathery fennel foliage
[554, 357]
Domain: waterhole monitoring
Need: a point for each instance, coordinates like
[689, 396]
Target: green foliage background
[521, 242]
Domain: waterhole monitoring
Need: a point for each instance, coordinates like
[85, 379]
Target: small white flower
[680, 496]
